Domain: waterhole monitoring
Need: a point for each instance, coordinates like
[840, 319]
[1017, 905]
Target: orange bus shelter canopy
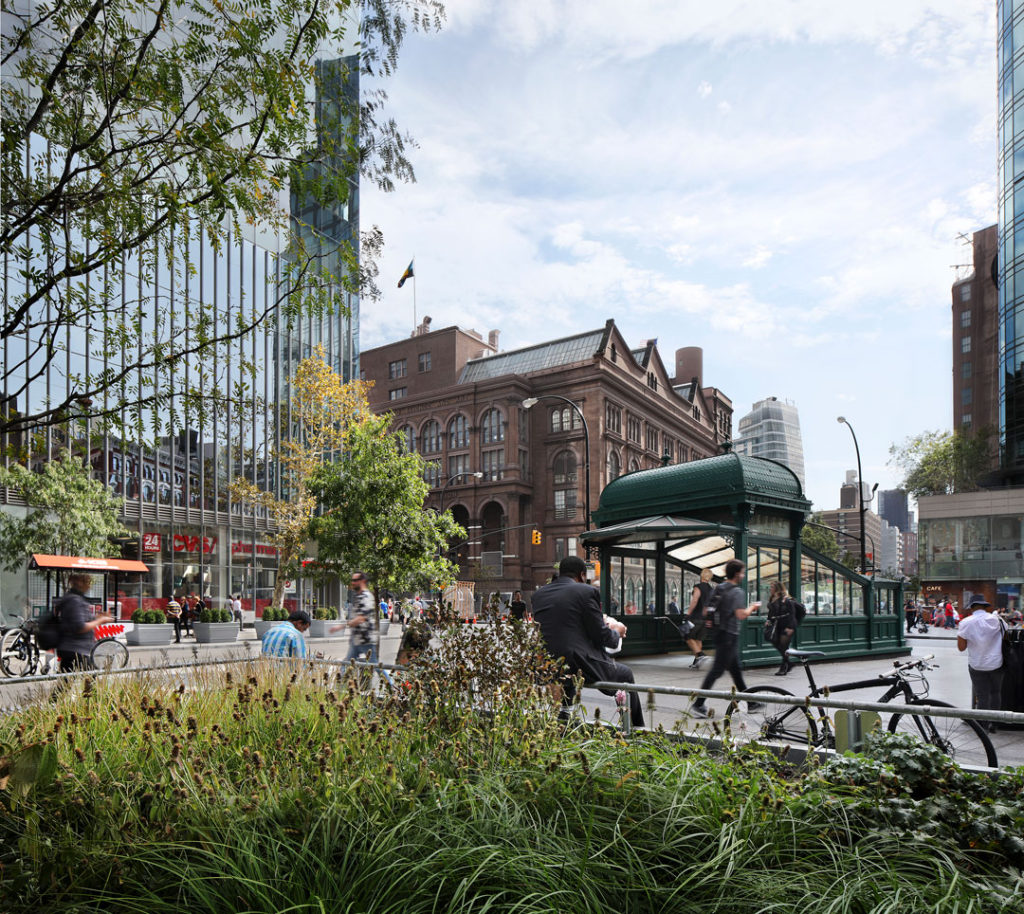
[81, 563]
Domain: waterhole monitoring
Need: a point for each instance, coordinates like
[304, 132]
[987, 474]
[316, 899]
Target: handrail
[924, 710]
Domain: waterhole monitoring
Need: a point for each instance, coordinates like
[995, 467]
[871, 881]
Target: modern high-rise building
[772, 429]
[173, 478]
[1010, 271]
[976, 341]
[893, 508]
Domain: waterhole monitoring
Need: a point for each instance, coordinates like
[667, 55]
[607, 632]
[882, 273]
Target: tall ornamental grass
[276, 788]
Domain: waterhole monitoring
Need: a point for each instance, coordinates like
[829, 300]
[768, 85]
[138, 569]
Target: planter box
[385, 624]
[320, 628]
[263, 627]
[215, 632]
[150, 634]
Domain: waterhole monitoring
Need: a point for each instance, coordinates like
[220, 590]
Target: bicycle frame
[897, 686]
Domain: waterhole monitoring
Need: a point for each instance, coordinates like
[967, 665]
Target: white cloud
[569, 172]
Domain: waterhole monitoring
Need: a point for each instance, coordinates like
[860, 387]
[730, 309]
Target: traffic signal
[537, 537]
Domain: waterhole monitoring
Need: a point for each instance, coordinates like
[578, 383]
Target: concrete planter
[215, 632]
[385, 624]
[319, 628]
[263, 627]
[150, 634]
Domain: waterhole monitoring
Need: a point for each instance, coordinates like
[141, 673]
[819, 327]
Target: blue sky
[781, 182]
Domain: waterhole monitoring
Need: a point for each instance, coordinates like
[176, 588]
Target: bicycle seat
[804, 656]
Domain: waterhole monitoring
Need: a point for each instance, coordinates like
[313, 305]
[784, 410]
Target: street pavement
[950, 682]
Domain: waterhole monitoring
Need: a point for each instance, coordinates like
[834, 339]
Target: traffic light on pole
[537, 537]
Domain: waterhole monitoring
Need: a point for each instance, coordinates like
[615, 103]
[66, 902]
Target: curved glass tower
[1011, 237]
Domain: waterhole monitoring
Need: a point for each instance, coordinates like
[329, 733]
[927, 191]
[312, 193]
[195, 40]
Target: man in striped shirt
[285, 640]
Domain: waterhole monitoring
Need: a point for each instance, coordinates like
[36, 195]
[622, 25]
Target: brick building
[505, 470]
[976, 341]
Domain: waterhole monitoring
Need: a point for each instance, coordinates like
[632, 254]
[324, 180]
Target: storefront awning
[42, 562]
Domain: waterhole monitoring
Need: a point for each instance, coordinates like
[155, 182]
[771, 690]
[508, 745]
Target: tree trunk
[278, 599]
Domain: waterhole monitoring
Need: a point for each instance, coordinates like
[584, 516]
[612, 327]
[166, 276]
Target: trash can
[1013, 674]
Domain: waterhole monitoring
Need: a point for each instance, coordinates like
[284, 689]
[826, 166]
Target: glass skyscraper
[173, 477]
[1011, 237]
[772, 429]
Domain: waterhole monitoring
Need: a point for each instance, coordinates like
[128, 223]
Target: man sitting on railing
[568, 612]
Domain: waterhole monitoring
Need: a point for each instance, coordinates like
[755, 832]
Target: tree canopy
[69, 513]
[943, 462]
[134, 130]
[820, 539]
[374, 519]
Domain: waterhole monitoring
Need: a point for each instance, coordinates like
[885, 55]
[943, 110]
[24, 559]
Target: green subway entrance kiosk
[656, 530]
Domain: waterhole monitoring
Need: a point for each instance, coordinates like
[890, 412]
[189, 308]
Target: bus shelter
[658, 529]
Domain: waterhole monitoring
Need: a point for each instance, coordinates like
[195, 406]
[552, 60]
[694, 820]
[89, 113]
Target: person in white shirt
[981, 635]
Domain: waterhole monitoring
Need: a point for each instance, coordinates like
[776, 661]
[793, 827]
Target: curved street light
[448, 482]
[860, 495]
[533, 401]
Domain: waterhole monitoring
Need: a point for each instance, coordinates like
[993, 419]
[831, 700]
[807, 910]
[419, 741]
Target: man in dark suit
[568, 611]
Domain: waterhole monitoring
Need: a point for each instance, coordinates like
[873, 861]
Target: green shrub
[208, 615]
[325, 613]
[274, 614]
[129, 795]
[139, 616]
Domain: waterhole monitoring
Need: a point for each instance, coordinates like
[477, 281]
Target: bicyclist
[76, 625]
[727, 602]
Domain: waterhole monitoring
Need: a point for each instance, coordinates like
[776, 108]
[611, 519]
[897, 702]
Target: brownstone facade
[459, 403]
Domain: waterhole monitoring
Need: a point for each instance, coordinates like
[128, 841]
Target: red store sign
[150, 542]
[246, 549]
[182, 543]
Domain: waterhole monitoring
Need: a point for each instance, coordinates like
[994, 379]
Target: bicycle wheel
[109, 654]
[774, 723]
[964, 741]
[19, 655]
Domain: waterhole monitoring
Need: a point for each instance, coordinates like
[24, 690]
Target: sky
[781, 182]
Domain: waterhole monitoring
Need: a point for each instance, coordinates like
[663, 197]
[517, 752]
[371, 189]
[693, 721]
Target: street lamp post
[860, 495]
[533, 401]
[448, 482]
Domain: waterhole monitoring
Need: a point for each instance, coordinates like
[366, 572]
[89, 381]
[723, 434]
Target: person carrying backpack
[726, 608]
[74, 612]
[781, 624]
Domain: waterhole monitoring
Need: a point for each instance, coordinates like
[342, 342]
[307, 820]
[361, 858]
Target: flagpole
[415, 326]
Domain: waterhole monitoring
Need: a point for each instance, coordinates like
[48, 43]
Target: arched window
[430, 438]
[408, 434]
[492, 428]
[614, 466]
[565, 419]
[458, 432]
[634, 465]
[565, 479]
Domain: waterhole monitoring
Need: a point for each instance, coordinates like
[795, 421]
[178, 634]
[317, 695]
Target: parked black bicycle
[962, 740]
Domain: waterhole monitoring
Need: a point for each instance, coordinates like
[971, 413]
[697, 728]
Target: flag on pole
[408, 274]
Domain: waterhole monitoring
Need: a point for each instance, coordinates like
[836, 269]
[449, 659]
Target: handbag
[769, 629]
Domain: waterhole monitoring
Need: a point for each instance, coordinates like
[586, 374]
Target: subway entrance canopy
[658, 529]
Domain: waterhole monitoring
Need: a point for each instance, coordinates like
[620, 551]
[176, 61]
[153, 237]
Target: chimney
[492, 339]
[690, 364]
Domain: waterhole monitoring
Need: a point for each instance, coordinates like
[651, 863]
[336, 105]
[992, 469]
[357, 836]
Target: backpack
[48, 628]
[799, 610]
[712, 604]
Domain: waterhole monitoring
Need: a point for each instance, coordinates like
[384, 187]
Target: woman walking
[781, 624]
[695, 614]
